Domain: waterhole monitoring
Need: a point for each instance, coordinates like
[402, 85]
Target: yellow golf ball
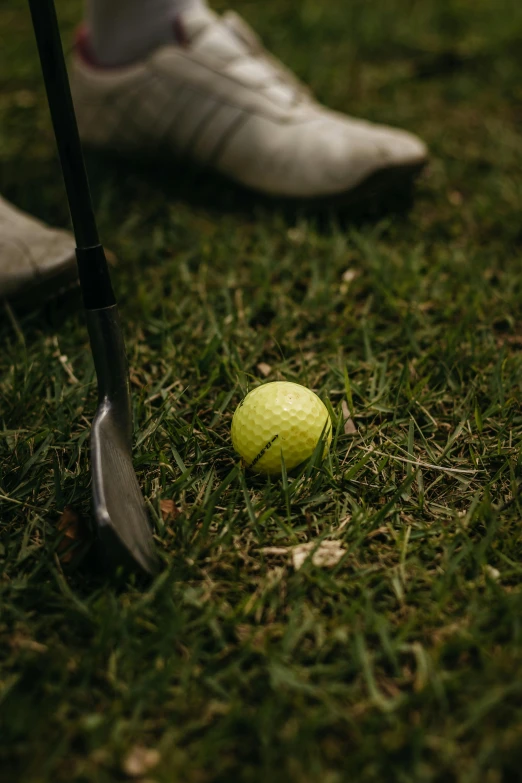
[279, 419]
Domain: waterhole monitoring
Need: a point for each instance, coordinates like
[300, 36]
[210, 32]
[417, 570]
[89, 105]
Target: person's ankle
[117, 35]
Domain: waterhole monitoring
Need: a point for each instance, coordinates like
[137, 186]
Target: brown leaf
[169, 510]
[349, 275]
[346, 521]
[379, 531]
[274, 550]
[349, 426]
[264, 369]
[135, 380]
[20, 641]
[325, 555]
[297, 235]
[75, 534]
[140, 760]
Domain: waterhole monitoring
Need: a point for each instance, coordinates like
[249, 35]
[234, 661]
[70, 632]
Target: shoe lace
[242, 30]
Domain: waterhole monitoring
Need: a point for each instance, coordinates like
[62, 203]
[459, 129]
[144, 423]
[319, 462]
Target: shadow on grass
[203, 189]
[199, 188]
[31, 316]
[37, 187]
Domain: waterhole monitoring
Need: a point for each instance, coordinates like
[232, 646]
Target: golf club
[119, 510]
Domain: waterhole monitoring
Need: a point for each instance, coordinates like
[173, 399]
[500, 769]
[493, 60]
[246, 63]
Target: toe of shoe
[402, 148]
[347, 156]
[32, 254]
[320, 158]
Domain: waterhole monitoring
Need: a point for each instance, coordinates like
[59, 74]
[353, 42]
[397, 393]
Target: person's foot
[32, 255]
[216, 97]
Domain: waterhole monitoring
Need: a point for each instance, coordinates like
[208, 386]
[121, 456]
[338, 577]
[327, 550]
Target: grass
[404, 661]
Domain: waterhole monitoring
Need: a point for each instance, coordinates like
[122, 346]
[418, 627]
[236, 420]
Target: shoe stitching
[256, 50]
[203, 123]
[128, 113]
[174, 119]
[234, 80]
[182, 106]
[193, 94]
[227, 137]
[127, 110]
[117, 103]
[215, 139]
[205, 92]
[154, 74]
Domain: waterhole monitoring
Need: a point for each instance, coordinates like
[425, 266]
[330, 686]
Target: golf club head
[119, 509]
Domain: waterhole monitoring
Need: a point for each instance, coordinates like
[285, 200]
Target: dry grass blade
[349, 425]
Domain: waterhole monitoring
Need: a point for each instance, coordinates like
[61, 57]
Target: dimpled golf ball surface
[279, 418]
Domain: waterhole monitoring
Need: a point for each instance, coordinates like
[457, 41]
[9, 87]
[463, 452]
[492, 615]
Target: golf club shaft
[92, 264]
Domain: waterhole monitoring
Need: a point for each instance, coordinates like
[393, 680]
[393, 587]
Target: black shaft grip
[93, 270]
[95, 280]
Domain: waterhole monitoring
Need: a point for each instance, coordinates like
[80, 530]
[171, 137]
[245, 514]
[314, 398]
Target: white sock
[122, 31]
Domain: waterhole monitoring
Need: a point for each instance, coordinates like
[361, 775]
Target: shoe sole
[389, 188]
[40, 290]
[374, 191]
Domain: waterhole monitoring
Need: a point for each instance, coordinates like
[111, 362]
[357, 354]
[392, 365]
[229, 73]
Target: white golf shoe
[32, 255]
[219, 99]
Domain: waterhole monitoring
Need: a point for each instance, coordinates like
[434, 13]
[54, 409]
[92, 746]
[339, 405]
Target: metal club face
[119, 508]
